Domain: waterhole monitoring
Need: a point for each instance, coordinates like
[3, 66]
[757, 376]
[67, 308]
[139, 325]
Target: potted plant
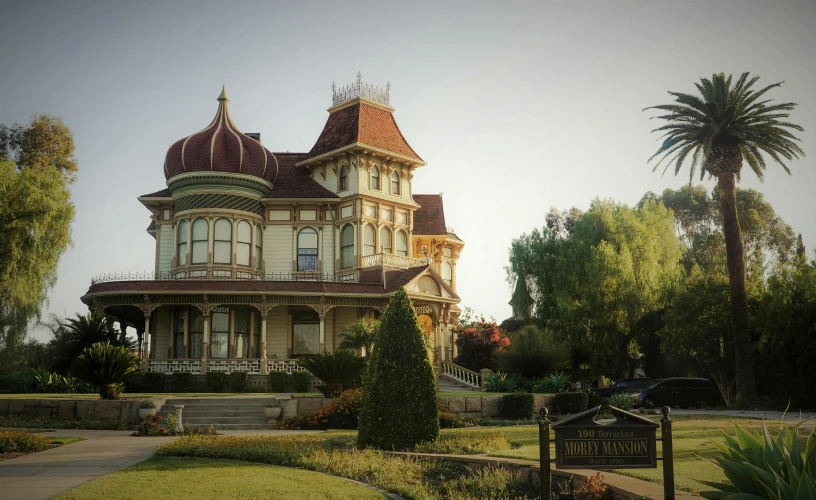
[147, 407]
[273, 411]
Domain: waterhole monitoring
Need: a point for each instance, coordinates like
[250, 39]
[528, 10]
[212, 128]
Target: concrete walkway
[40, 476]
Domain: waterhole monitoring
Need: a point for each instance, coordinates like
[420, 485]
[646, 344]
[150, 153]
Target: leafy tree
[360, 336]
[399, 408]
[718, 131]
[533, 352]
[478, 343]
[36, 164]
[104, 365]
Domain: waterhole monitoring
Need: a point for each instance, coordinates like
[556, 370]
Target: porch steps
[227, 413]
[448, 384]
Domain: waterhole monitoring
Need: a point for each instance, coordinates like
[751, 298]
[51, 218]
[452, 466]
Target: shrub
[593, 399]
[238, 381]
[622, 401]
[104, 366]
[551, 384]
[300, 381]
[182, 382]
[154, 381]
[279, 381]
[335, 369]
[761, 466]
[35, 422]
[22, 442]
[473, 442]
[216, 381]
[341, 414]
[516, 406]
[592, 488]
[487, 482]
[478, 343]
[500, 382]
[571, 402]
[533, 352]
[399, 406]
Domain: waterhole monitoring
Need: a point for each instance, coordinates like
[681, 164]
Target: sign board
[628, 442]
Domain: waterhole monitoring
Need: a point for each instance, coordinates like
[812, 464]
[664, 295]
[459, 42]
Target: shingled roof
[362, 123]
[164, 193]
[294, 182]
[430, 218]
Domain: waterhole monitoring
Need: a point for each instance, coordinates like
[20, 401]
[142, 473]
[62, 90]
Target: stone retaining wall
[127, 409]
[489, 406]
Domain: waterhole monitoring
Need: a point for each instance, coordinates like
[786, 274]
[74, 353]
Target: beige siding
[277, 329]
[343, 317]
[166, 235]
[327, 252]
[278, 249]
[162, 316]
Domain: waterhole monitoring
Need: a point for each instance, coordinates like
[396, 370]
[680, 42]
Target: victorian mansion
[263, 257]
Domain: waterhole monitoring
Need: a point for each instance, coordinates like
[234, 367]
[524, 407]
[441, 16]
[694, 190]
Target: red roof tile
[429, 219]
[364, 123]
[294, 182]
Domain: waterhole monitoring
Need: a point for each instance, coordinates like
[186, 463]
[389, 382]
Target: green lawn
[201, 479]
[692, 437]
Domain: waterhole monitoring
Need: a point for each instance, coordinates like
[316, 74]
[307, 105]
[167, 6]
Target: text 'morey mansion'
[262, 257]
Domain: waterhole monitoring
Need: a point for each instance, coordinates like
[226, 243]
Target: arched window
[219, 332]
[369, 247]
[385, 240]
[402, 243]
[447, 273]
[395, 186]
[307, 250]
[222, 242]
[258, 247]
[244, 244]
[375, 178]
[181, 241]
[343, 178]
[347, 247]
[201, 231]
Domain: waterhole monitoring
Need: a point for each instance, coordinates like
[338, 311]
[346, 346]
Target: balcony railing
[251, 366]
[389, 260]
[205, 274]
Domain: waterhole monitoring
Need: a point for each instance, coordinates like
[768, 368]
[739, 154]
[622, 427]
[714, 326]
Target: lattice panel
[169, 366]
[234, 365]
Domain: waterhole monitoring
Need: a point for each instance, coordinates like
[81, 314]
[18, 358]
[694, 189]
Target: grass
[334, 453]
[201, 479]
[691, 439]
[36, 422]
[17, 443]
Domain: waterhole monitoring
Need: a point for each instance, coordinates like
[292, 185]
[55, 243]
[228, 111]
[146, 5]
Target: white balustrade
[389, 260]
[169, 366]
[252, 366]
[462, 374]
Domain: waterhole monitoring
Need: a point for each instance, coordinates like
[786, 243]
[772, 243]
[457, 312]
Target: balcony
[393, 261]
[227, 275]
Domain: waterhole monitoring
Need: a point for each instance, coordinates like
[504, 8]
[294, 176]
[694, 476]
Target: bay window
[222, 242]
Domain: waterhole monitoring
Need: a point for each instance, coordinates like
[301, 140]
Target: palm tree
[360, 335]
[72, 335]
[719, 130]
[105, 365]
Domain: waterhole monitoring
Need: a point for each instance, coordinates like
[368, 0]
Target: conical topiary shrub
[399, 409]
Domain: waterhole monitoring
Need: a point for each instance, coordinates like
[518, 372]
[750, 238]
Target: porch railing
[462, 374]
[169, 366]
[251, 366]
[214, 274]
[283, 365]
[389, 260]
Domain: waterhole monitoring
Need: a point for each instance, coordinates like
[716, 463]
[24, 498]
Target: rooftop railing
[192, 275]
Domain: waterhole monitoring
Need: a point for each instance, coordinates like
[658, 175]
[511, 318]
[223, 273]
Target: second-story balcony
[393, 261]
[228, 275]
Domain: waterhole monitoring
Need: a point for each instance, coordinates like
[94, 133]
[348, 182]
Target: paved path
[40, 476]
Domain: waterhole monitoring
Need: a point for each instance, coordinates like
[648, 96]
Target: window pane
[223, 230]
[243, 254]
[196, 340]
[200, 230]
[306, 338]
[307, 238]
[200, 252]
[244, 231]
[346, 257]
[242, 321]
[181, 232]
[221, 252]
[375, 178]
[395, 183]
[343, 178]
[178, 346]
[347, 236]
[258, 257]
[385, 240]
[369, 247]
[219, 337]
[402, 243]
[241, 345]
[182, 254]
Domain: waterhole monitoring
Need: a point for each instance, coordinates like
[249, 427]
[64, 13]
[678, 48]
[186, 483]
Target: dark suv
[624, 385]
[682, 392]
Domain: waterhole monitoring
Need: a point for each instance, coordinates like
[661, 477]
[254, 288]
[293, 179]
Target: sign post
[668, 455]
[544, 454]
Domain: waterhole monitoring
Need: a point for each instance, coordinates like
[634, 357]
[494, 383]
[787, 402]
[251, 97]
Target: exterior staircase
[446, 384]
[226, 413]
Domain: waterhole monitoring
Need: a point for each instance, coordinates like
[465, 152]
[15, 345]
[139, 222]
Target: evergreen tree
[399, 409]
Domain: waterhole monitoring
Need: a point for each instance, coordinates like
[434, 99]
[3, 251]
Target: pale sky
[516, 106]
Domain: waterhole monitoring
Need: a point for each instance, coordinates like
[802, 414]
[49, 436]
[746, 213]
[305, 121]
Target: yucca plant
[759, 466]
[104, 365]
[334, 369]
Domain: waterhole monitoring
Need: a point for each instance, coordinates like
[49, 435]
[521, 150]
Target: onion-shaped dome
[220, 147]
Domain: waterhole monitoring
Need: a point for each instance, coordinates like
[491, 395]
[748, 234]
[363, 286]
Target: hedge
[571, 402]
[516, 406]
[216, 381]
[300, 381]
[279, 381]
[182, 382]
[239, 381]
[154, 382]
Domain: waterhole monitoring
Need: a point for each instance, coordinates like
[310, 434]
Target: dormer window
[395, 185]
[375, 178]
[343, 178]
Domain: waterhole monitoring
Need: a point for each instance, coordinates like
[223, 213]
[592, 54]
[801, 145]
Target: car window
[658, 384]
[642, 383]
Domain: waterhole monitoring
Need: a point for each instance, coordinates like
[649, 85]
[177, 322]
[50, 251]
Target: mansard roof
[364, 123]
[429, 219]
[294, 182]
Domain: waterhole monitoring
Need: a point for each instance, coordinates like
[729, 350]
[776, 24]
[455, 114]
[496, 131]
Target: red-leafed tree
[478, 342]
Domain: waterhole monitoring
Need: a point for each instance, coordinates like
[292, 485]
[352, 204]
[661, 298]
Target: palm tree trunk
[746, 392]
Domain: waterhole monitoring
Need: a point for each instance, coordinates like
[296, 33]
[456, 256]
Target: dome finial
[223, 96]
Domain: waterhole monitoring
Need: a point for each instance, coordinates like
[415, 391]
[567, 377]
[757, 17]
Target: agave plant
[334, 369]
[104, 366]
[759, 466]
